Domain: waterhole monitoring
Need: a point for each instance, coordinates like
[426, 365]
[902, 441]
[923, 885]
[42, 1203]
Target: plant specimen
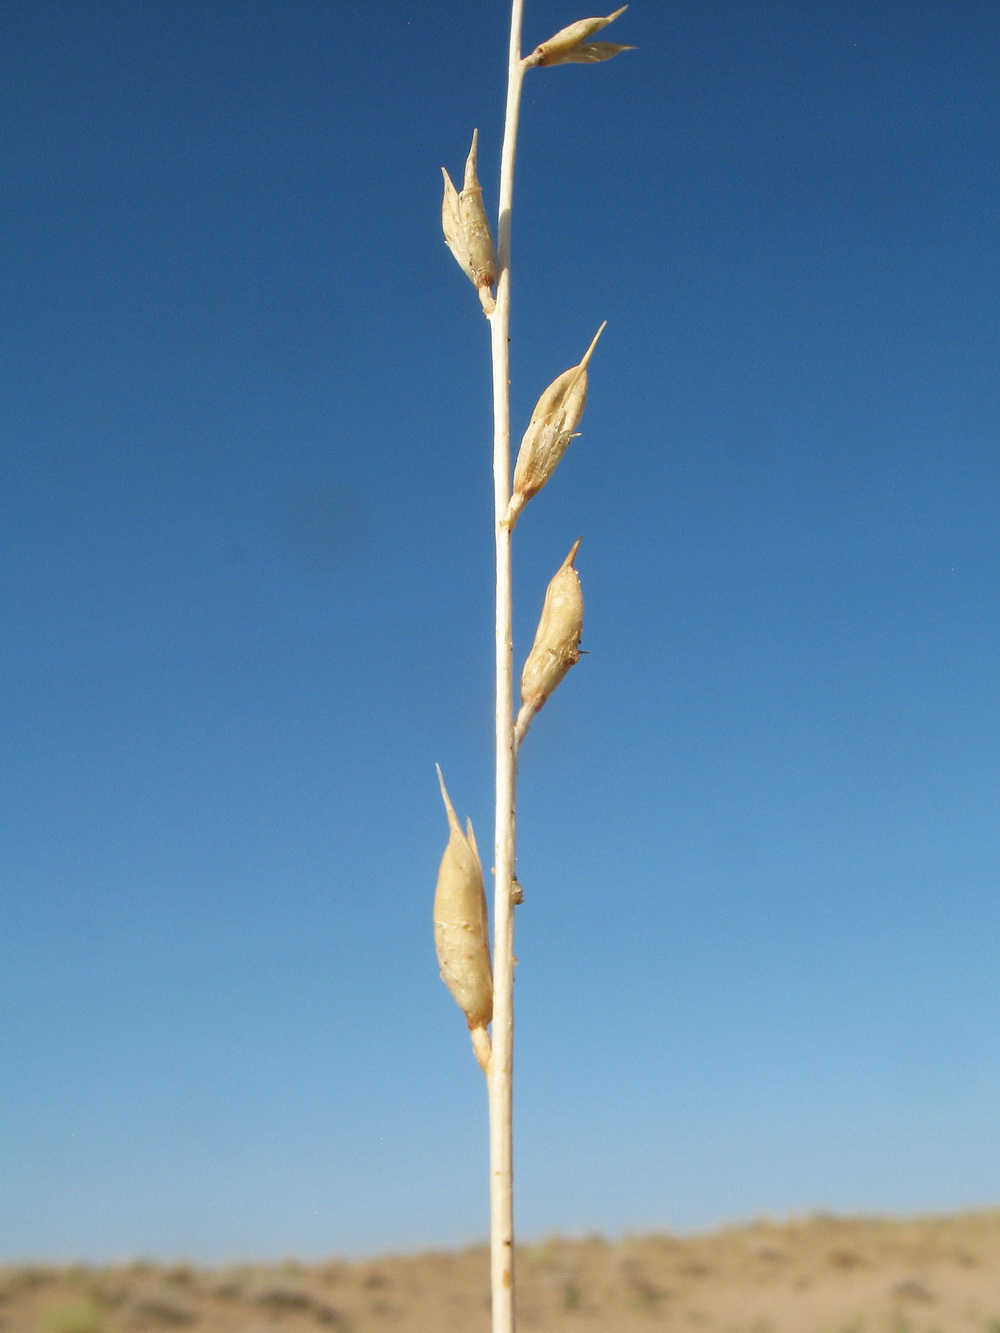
[484, 990]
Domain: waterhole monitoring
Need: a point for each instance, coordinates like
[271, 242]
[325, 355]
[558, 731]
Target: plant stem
[502, 1060]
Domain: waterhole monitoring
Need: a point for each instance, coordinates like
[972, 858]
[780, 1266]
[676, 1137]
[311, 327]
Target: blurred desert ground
[820, 1274]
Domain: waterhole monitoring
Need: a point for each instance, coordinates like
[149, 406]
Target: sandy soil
[817, 1275]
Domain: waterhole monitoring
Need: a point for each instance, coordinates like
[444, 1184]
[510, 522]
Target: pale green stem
[502, 1059]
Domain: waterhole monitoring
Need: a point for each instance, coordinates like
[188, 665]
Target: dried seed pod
[461, 929]
[451, 225]
[482, 257]
[557, 642]
[569, 45]
[590, 53]
[467, 231]
[553, 423]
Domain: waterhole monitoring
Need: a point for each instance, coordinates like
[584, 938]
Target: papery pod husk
[461, 927]
[553, 424]
[482, 256]
[591, 53]
[557, 639]
[564, 46]
[467, 230]
[451, 225]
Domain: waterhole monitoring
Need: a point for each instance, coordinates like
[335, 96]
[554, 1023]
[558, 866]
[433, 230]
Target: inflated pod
[467, 231]
[557, 642]
[553, 423]
[461, 928]
[571, 45]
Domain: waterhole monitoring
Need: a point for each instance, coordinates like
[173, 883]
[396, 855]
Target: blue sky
[246, 582]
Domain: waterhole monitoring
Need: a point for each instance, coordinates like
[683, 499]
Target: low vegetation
[816, 1275]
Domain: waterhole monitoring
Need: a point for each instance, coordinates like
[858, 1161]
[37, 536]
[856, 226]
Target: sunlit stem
[500, 1075]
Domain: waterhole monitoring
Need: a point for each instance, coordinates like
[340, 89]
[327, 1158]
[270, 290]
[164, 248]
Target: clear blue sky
[246, 582]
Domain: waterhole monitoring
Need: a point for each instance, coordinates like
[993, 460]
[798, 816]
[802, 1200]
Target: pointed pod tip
[453, 823]
[590, 350]
[470, 838]
[471, 181]
[568, 562]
